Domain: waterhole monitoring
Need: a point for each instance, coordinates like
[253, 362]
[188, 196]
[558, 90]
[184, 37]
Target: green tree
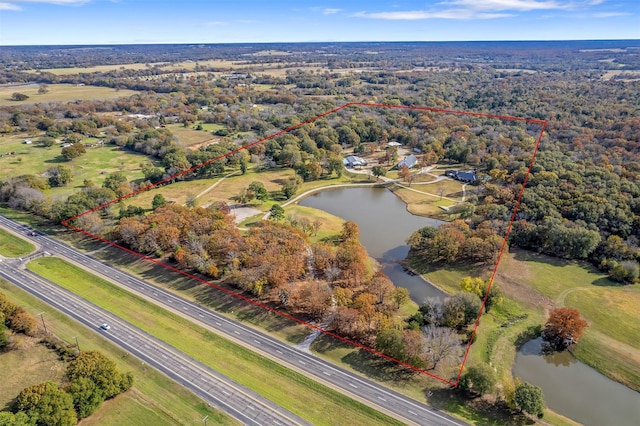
[290, 187]
[276, 213]
[16, 96]
[47, 141]
[101, 370]
[259, 191]
[3, 333]
[73, 151]
[479, 379]
[530, 399]
[158, 201]
[20, 418]
[47, 405]
[390, 343]
[59, 175]
[191, 201]
[378, 171]
[114, 181]
[86, 395]
[400, 296]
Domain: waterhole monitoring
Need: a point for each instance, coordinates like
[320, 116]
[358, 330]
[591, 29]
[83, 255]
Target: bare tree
[442, 347]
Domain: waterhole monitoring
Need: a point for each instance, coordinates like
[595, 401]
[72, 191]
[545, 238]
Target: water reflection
[576, 390]
[384, 224]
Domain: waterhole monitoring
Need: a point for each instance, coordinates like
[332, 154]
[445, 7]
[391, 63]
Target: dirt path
[217, 183]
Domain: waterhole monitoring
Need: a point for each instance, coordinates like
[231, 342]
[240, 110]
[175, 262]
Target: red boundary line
[291, 317]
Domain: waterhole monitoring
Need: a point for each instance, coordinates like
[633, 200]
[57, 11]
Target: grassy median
[12, 246]
[155, 399]
[297, 393]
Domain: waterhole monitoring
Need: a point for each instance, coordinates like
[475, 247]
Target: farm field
[60, 93]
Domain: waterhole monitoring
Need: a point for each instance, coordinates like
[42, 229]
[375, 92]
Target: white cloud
[9, 6]
[485, 9]
[329, 11]
[519, 5]
[421, 14]
[63, 2]
[214, 23]
[610, 14]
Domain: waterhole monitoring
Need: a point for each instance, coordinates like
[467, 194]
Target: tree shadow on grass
[481, 410]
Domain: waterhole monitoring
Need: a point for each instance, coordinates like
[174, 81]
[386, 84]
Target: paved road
[214, 388]
[379, 397]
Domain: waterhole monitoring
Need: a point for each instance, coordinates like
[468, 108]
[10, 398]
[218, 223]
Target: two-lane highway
[384, 399]
[214, 388]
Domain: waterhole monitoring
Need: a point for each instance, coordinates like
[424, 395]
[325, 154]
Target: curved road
[371, 393]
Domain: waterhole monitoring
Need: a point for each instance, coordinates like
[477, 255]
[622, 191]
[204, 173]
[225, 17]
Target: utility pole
[77, 344]
[43, 324]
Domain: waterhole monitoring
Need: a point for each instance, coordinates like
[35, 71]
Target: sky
[37, 22]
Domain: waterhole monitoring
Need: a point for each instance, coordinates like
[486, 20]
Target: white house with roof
[410, 161]
[353, 161]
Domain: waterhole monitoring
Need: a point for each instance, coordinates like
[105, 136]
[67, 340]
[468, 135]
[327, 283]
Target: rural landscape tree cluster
[580, 201]
[91, 377]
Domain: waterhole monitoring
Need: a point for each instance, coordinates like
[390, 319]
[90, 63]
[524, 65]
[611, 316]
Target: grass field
[61, 93]
[12, 246]
[130, 408]
[36, 364]
[162, 396]
[321, 405]
[94, 165]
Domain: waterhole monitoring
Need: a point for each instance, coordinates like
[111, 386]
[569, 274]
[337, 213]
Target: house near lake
[410, 161]
[464, 177]
[352, 162]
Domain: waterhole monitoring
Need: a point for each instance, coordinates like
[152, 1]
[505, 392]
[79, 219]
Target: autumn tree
[404, 172]
[350, 231]
[530, 399]
[563, 328]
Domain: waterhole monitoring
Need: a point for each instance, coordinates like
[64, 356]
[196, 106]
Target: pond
[384, 224]
[576, 390]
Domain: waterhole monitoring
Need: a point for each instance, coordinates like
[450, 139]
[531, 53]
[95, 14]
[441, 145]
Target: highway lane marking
[186, 308]
[353, 386]
[302, 362]
[279, 351]
[226, 393]
[218, 324]
[257, 341]
[381, 398]
[252, 407]
[412, 413]
[324, 372]
[201, 316]
[237, 332]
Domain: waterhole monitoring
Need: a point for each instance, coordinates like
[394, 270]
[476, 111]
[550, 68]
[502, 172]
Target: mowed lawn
[94, 165]
[61, 93]
[12, 246]
[612, 340]
[164, 401]
[320, 404]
